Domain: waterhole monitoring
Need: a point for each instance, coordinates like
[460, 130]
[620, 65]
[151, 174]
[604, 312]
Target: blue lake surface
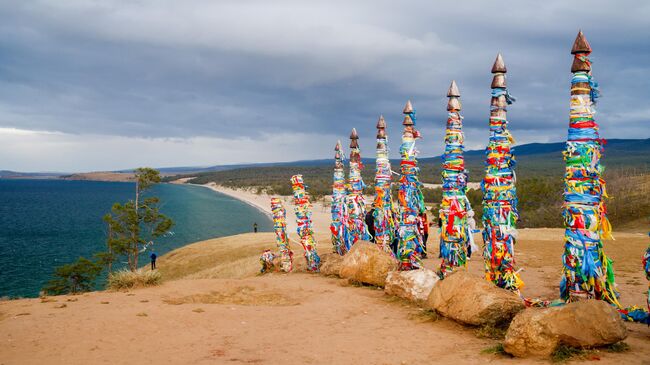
[47, 223]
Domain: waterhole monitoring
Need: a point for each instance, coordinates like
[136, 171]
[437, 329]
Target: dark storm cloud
[227, 69]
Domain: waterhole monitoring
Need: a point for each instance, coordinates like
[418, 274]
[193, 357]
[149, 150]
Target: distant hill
[532, 158]
[7, 174]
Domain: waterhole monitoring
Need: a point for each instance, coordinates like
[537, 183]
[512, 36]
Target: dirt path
[276, 319]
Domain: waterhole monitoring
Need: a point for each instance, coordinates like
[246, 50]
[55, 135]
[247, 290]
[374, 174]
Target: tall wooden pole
[281, 238]
[499, 193]
[410, 196]
[454, 233]
[339, 227]
[588, 272]
[357, 228]
[383, 204]
[303, 219]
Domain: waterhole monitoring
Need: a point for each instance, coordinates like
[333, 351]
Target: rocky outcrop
[539, 331]
[472, 300]
[366, 263]
[331, 264]
[414, 285]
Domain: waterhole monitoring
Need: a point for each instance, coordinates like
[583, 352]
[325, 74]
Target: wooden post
[454, 233]
[500, 213]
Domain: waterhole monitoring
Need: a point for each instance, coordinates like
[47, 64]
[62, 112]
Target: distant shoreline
[321, 216]
[233, 194]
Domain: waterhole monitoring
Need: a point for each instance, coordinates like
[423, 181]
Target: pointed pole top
[354, 134]
[381, 123]
[453, 90]
[499, 66]
[408, 108]
[338, 145]
[580, 45]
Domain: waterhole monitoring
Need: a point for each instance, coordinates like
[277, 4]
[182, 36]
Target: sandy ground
[298, 318]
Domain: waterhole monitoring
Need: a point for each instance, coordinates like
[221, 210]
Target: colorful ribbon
[500, 197]
[646, 267]
[410, 198]
[454, 232]
[266, 260]
[281, 238]
[338, 227]
[587, 272]
[303, 219]
[383, 203]
[356, 203]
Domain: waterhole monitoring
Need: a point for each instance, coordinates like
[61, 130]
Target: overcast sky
[98, 85]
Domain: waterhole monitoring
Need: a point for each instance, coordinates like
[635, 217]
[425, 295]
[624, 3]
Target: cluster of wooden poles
[587, 271]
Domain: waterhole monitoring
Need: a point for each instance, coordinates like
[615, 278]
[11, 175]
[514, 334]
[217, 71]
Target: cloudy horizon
[109, 85]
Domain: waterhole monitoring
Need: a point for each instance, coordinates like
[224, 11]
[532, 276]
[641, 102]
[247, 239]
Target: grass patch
[495, 350]
[617, 347]
[564, 353]
[424, 315]
[492, 332]
[125, 279]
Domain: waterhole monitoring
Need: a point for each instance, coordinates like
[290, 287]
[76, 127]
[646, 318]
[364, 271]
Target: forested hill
[617, 151]
[534, 159]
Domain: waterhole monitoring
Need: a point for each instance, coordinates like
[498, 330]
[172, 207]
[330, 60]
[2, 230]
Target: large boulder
[331, 264]
[413, 285]
[472, 300]
[366, 263]
[539, 331]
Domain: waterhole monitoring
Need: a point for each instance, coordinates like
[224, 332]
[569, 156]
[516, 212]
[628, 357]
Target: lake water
[47, 223]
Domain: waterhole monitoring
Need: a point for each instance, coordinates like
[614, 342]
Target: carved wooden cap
[381, 123]
[408, 108]
[580, 45]
[407, 121]
[581, 49]
[499, 65]
[453, 90]
[453, 104]
[353, 138]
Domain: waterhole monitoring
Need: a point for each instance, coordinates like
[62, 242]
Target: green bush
[126, 279]
[73, 278]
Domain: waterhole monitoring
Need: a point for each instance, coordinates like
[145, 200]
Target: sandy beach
[321, 216]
